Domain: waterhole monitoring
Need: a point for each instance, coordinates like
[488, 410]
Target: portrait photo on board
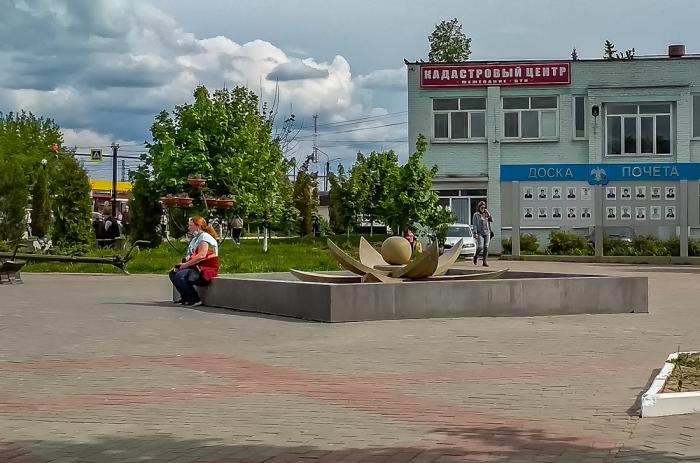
[542, 192]
[585, 212]
[670, 213]
[640, 213]
[527, 192]
[586, 193]
[611, 212]
[570, 212]
[626, 192]
[610, 192]
[655, 212]
[556, 213]
[527, 212]
[670, 192]
[556, 192]
[626, 212]
[656, 192]
[541, 212]
[570, 192]
[640, 192]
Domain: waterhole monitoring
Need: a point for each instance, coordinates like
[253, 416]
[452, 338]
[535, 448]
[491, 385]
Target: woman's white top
[197, 239]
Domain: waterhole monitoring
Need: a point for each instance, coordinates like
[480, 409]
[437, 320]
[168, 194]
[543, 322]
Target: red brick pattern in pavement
[477, 432]
[545, 389]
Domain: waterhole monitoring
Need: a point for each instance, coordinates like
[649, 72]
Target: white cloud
[384, 79]
[103, 69]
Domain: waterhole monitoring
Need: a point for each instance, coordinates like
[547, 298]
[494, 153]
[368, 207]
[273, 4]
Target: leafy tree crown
[448, 44]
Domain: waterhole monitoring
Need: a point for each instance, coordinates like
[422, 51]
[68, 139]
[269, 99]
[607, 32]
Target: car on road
[461, 231]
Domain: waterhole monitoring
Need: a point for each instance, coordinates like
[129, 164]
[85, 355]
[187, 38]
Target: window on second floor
[579, 117]
[459, 118]
[530, 117]
[638, 129]
[696, 116]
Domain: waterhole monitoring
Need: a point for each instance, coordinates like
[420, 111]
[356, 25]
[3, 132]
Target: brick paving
[97, 368]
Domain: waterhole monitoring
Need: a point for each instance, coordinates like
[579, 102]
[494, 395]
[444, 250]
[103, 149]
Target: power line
[361, 119]
[356, 129]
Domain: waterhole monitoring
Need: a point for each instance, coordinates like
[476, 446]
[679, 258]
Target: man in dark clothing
[107, 229]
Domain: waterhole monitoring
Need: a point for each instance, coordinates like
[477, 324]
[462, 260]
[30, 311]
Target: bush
[567, 243]
[528, 244]
[649, 246]
[73, 229]
[694, 247]
[41, 204]
[145, 209]
[14, 196]
[615, 247]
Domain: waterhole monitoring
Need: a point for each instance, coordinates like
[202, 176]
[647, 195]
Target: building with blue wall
[574, 145]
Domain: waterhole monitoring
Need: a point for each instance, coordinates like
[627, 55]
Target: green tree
[72, 206]
[411, 199]
[41, 204]
[145, 209]
[227, 138]
[448, 44]
[373, 180]
[342, 202]
[25, 139]
[439, 218]
[14, 197]
[305, 198]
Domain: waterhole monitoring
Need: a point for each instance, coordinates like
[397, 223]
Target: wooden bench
[9, 271]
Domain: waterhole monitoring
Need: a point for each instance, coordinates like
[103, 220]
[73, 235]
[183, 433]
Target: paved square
[103, 369]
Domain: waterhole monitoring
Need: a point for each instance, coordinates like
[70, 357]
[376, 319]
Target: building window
[638, 129]
[580, 117]
[459, 118]
[696, 116]
[530, 117]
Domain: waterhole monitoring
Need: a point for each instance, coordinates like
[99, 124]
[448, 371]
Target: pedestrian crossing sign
[96, 155]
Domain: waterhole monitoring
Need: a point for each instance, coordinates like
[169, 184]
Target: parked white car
[461, 231]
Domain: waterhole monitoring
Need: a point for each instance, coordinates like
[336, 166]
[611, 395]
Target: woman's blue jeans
[485, 239]
[180, 280]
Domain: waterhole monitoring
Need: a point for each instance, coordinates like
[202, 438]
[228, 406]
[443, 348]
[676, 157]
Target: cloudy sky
[104, 68]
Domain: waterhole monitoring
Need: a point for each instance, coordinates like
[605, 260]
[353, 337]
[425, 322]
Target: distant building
[101, 191]
[525, 135]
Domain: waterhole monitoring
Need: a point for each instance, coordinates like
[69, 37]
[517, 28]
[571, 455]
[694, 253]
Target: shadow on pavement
[500, 445]
[207, 309]
[636, 408]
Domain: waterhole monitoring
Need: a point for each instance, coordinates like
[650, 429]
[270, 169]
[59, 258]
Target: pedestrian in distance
[107, 229]
[481, 221]
[237, 229]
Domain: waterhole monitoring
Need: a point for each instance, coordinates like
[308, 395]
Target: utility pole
[115, 149]
[314, 153]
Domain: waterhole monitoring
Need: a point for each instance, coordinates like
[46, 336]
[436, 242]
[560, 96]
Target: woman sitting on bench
[201, 264]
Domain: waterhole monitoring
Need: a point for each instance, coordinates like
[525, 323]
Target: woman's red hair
[201, 222]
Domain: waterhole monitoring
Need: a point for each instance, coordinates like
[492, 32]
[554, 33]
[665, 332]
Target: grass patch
[309, 254]
[686, 374]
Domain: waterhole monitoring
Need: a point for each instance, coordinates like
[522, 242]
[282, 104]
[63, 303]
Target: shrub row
[573, 244]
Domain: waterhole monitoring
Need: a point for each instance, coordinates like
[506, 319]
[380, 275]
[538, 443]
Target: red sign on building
[502, 74]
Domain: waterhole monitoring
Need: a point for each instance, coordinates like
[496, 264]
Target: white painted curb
[656, 403]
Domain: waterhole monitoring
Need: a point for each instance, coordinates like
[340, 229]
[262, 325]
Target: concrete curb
[653, 260]
[657, 403]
